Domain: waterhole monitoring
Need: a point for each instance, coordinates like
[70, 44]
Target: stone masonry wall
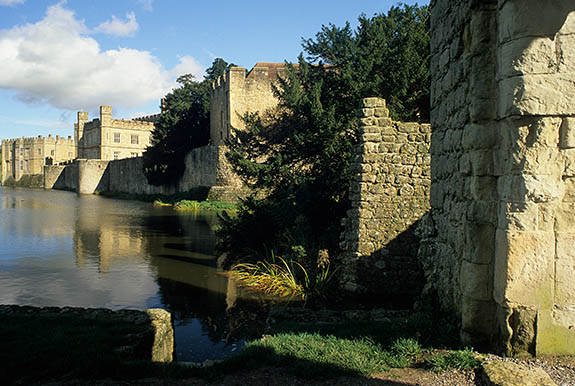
[496, 251]
[238, 92]
[389, 194]
[206, 169]
[153, 339]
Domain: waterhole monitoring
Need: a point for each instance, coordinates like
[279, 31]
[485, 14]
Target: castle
[478, 208]
[106, 138]
[26, 156]
[102, 138]
[234, 94]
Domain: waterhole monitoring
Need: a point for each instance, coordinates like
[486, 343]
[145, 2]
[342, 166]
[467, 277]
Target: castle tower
[105, 115]
[79, 132]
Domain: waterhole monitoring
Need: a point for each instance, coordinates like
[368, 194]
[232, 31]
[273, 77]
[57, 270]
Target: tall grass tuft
[274, 278]
[285, 278]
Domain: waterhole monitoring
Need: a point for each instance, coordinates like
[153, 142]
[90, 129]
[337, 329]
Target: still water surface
[60, 249]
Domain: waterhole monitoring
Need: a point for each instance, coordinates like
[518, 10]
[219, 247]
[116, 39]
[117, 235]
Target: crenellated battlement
[39, 140]
[262, 72]
[147, 118]
[132, 124]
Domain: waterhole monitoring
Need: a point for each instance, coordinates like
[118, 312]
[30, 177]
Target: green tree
[296, 158]
[184, 124]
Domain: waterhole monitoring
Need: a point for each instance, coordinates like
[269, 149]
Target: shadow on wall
[392, 276]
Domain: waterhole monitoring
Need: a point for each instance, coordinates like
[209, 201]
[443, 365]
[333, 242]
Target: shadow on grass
[40, 349]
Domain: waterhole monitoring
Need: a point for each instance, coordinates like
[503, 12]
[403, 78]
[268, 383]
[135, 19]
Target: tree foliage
[184, 124]
[296, 158]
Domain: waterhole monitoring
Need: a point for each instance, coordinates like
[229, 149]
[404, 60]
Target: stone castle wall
[389, 195]
[238, 92]
[206, 169]
[503, 77]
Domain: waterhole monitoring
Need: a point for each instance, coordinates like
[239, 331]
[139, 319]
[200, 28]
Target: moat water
[61, 249]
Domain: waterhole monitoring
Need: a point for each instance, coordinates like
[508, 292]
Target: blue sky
[57, 58]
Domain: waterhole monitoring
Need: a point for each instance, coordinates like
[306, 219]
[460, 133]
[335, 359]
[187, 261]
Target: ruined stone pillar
[389, 195]
[503, 86]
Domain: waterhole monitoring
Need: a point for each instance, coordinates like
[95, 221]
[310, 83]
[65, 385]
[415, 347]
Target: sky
[60, 57]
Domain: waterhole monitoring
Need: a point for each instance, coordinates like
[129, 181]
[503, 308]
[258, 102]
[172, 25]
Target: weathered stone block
[483, 188]
[518, 216]
[499, 373]
[543, 94]
[474, 281]
[524, 269]
[564, 217]
[477, 317]
[477, 137]
[565, 44]
[381, 112]
[482, 163]
[519, 19]
[528, 55]
[555, 332]
[569, 189]
[567, 133]
[480, 243]
[373, 102]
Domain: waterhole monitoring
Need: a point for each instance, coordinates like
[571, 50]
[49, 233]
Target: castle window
[52, 153]
[116, 137]
[39, 151]
[21, 165]
[116, 153]
[27, 152]
[27, 166]
[135, 140]
[134, 154]
[20, 152]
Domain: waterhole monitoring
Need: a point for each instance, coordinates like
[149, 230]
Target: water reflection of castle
[179, 252]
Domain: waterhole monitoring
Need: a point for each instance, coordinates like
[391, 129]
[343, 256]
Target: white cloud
[49, 124]
[11, 2]
[189, 65]
[54, 61]
[118, 27]
[146, 5]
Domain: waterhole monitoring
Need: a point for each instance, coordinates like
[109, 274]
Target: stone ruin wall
[500, 253]
[389, 195]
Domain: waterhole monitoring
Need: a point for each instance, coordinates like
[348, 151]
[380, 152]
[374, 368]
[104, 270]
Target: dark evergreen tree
[296, 158]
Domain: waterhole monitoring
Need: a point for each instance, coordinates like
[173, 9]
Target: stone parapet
[154, 341]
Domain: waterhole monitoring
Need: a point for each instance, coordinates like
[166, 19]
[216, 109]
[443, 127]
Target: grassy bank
[187, 201]
[47, 348]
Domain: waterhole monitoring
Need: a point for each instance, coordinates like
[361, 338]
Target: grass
[464, 359]
[187, 201]
[284, 278]
[192, 205]
[277, 279]
[49, 347]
